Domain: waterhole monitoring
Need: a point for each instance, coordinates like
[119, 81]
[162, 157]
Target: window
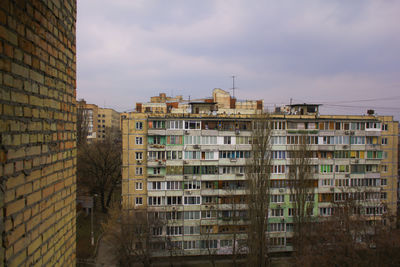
[139, 155]
[208, 214]
[291, 212]
[342, 168]
[192, 125]
[225, 243]
[174, 200]
[156, 201]
[209, 185]
[208, 243]
[192, 155]
[276, 212]
[278, 154]
[227, 140]
[174, 125]
[174, 185]
[384, 168]
[196, 200]
[384, 127]
[384, 141]
[156, 170]
[139, 186]
[383, 181]
[278, 169]
[139, 140]
[277, 198]
[191, 230]
[155, 185]
[139, 125]
[325, 211]
[243, 140]
[276, 227]
[191, 215]
[174, 230]
[191, 185]
[234, 154]
[174, 140]
[174, 155]
[139, 171]
[277, 241]
[326, 168]
[157, 231]
[357, 126]
[157, 124]
[193, 244]
[357, 140]
[139, 201]
[373, 125]
[208, 155]
[375, 210]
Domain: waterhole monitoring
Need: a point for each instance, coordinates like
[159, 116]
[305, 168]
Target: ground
[85, 252]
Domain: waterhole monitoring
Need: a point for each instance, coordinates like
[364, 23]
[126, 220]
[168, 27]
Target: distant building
[185, 160]
[101, 122]
[108, 122]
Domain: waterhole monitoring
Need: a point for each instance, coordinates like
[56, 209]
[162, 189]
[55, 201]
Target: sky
[342, 54]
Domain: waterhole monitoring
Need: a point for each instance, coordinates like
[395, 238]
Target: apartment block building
[90, 114]
[101, 122]
[108, 122]
[186, 165]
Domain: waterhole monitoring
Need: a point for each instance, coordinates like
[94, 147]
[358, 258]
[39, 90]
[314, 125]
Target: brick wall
[37, 132]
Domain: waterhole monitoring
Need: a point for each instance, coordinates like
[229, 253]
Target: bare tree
[209, 243]
[130, 234]
[301, 186]
[258, 176]
[82, 123]
[350, 237]
[99, 169]
[238, 216]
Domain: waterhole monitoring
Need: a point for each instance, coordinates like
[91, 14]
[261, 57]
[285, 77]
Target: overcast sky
[331, 52]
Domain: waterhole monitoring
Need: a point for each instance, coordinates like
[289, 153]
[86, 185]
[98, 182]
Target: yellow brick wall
[37, 132]
[391, 161]
[129, 147]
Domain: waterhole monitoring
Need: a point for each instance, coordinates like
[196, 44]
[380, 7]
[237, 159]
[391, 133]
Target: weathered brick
[34, 197]
[16, 234]
[37, 77]
[8, 35]
[13, 182]
[15, 207]
[34, 245]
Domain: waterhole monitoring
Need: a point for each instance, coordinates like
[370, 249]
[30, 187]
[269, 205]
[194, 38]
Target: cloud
[313, 50]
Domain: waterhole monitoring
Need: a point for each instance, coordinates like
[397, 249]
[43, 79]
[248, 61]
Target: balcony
[158, 131]
[156, 146]
[156, 163]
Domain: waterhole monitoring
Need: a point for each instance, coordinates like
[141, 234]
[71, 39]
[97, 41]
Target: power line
[355, 101]
[364, 100]
[371, 107]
